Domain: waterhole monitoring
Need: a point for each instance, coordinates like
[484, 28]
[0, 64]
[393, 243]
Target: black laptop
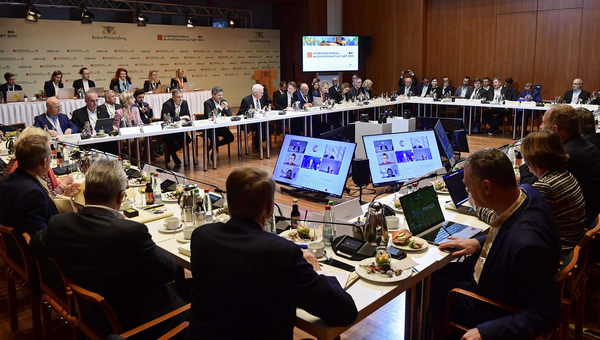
[458, 192]
[105, 124]
[425, 218]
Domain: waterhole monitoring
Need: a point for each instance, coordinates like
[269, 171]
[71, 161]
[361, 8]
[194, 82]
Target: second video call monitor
[400, 157]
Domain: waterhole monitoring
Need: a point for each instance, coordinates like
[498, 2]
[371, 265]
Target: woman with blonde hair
[127, 112]
[179, 79]
[152, 83]
[367, 85]
[51, 86]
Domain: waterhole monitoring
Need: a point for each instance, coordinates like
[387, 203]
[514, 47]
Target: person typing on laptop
[514, 264]
[10, 84]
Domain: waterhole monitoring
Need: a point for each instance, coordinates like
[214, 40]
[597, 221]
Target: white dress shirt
[86, 85]
[424, 91]
[111, 110]
[93, 118]
[575, 97]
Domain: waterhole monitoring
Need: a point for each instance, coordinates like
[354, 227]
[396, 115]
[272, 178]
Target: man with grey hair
[255, 102]
[576, 94]
[25, 200]
[218, 106]
[334, 88]
[288, 276]
[110, 105]
[177, 109]
[89, 113]
[57, 123]
[100, 250]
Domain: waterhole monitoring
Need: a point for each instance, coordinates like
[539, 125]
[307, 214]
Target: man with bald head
[334, 88]
[304, 97]
[89, 113]
[57, 123]
[577, 93]
[408, 87]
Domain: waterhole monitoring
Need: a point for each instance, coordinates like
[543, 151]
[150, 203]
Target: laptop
[189, 86]
[134, 87]
[104, 123]
[458, 193]
[161, 88]
[426, 220]
[66, 93]
[15, 96]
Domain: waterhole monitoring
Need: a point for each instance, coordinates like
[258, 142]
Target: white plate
[286, 235]
[443, 192]
[180, 239]
[377, 277]
[167, 199]
[172, 127]
[163, 230]
[136, 185]
[407, 248]
[395, 209]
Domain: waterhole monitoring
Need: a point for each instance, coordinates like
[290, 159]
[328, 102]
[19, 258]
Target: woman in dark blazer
[179, 79]
[151, 85]
[121, 81]
[51, 86]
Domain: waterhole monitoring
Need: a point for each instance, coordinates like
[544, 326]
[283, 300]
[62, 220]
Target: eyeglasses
[577, 83]
[124, 196]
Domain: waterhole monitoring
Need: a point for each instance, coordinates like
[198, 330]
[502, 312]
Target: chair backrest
[96, 318]
[12, 127]
[15, 252]
[565, 275]
[198, 116]
[53, 283]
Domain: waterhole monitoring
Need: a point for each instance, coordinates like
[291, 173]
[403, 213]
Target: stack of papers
[185, 249]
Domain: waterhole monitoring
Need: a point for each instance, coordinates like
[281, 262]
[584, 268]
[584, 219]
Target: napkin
[404, 264]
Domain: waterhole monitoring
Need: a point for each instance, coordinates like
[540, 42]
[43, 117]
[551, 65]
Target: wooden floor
[373, 327]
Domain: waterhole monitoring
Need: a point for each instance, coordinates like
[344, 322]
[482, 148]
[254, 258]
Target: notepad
[185, 249]
[340, 275]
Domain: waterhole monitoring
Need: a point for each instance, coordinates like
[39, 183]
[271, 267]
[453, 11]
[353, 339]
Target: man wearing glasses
[447, 87]
[57, 123]
[577, 93]
[89, 113]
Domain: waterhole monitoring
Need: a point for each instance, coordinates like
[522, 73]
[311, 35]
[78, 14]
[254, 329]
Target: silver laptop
[425, 218]
[189, 86]
[66, 93]
[458, 193]
[162, 88]
[133, 87]
[15, 96]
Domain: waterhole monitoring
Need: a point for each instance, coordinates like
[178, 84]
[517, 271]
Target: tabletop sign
[474, 101]
[223, 120]
[72, 138]
[152, 128]
[514, 103]
[427, 99]
[202, 123]
[134, 130]
[528, 104]
[591, 107]
[461, 101]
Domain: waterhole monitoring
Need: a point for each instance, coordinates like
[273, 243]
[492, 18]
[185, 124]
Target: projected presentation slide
[401, 156]
[329, 53]
[314, 164]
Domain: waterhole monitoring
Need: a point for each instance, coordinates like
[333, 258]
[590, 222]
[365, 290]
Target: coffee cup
[317, 249]
[171, 223]
[187, 232]
[126, 204]
[393, 222]
[223, 218]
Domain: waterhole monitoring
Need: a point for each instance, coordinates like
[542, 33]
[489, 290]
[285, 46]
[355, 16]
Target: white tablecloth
[24, 112]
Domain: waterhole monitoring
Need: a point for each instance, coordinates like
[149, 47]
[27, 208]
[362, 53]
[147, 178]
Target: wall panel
[442, 39]
[589, 51]
[515, 47]
[546, 5]
[516, 6]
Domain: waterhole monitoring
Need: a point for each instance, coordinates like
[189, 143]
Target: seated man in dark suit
[577, 94]
[286, 100]
[407, 74]
[103, 252]
[511, 92]
[254, 102]
[110, 105]
[584, 157]
[51, 86]
[177, 109]
[89, 113]
[145, 108]
[447, 88]
[263, 277]
[334, 89]
[357, 91]
[25, 202]
[514, 264]
[495, 94]
[57, 123]
[424, 89]
[10, 84]
[84, 83]
[587, 126]
[280, 91]
[217, 106]
[463, 90]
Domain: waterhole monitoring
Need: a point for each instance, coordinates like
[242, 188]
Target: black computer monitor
[399, 157]
[314, 164]
[446, 147]
[342, 134]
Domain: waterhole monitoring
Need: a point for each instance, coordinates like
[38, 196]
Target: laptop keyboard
[438, 235]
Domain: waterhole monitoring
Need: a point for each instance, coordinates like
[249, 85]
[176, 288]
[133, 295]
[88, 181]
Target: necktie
[177, 110]
[256, 104]
[56, 125]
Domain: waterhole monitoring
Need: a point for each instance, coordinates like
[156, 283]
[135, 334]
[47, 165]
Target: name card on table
[512, 103]
[152, 128]
[72, 138]
[126, 131]
[528, 104]
[426, 99]
[202, 123]
[591, 107]
[314, 108]
[223, 120]
[461, 101]
[474, 101]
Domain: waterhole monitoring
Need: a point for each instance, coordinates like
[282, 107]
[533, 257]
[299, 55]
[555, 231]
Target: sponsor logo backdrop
[209, 56]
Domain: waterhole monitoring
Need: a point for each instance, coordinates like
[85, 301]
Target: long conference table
[25, 112]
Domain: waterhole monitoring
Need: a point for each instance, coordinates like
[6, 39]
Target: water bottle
[207, 204]
[157, 190]
[46, 129]
[328, 226]
[511, 154]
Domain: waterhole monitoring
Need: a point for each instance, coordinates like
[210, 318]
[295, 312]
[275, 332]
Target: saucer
[180, 239]
[164, 230]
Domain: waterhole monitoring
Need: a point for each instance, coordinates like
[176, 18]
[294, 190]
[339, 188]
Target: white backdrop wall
[210, 56]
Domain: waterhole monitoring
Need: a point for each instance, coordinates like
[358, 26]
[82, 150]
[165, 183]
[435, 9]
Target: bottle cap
[295, 200]
[120, 159]
[330, 202]
[328, 207]
[196, 190]
[206, 191]
[156, 174]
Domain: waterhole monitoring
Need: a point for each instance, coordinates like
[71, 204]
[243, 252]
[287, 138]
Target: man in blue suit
[514, 264]
[304, 97]
[25, 202]
[57, 123]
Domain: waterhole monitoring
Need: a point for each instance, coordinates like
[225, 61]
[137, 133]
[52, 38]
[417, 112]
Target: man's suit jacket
[413, 89]
[248, 104]
[24, 203]
[333, 91]
[459, 91]
[593, 138]
[168, 107]
[263, 277]
[49, 88]
[277, 94]
[175, 82]
[209, 105]
[113, 257]
[4, 89]
[487, 94]
[419, 89]
[355, 93]
[80, 116]
[481, 93]
[519, 271]
[584, 96]
[282, 101]
[437, 91]
[584, 165]
[104, 109]
[41, 121]
[401, 80]
[78, 84]
[510, 93]
[448, 89]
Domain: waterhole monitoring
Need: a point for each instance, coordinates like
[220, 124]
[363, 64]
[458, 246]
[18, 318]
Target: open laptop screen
[422, 210]
[456, 187]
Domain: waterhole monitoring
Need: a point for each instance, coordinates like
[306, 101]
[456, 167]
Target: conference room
[287, 169]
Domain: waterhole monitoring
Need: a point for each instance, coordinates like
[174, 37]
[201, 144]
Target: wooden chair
[564, 278]
[96, 317]
[20, 269]
[57, 296]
